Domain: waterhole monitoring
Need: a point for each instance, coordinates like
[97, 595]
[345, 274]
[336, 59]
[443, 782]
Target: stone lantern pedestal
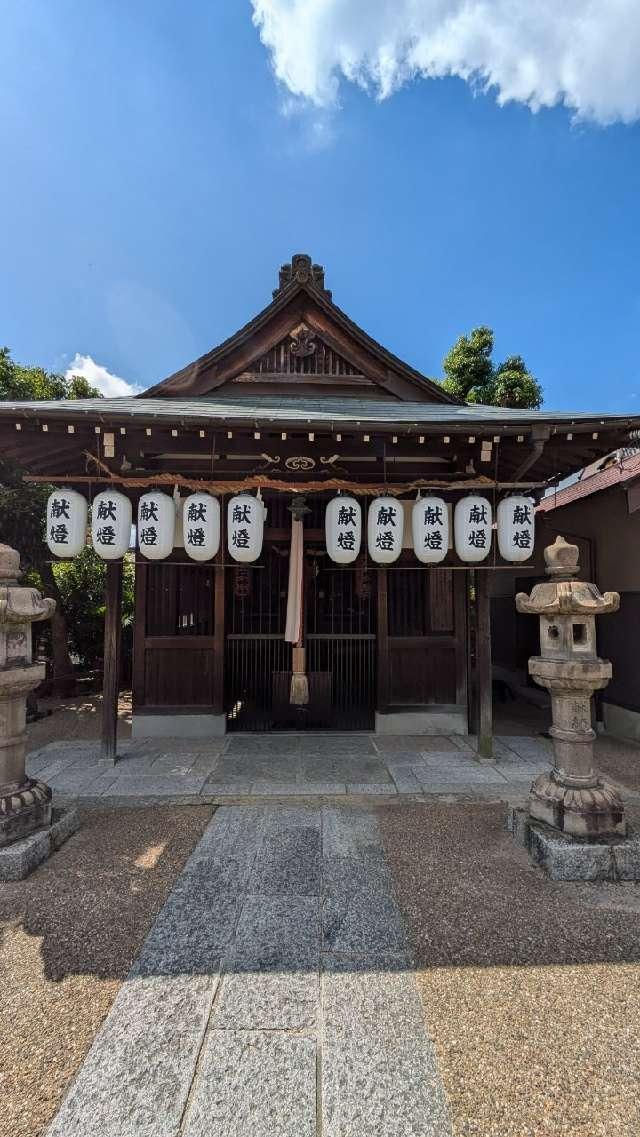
[25, 803]
[575, 822]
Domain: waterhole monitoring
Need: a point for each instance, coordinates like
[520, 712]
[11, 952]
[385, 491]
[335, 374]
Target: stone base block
[423, 720]
[570, 858]
[595, 812]
[21, 858]
[24, 811]
[178, 726]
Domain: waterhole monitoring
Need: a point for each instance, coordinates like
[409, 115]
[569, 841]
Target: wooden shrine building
[302, 402]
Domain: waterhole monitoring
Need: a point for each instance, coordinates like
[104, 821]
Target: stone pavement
[274, 996]
[243, 767]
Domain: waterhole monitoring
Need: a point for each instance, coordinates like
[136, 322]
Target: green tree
[472, 376]
[81, 582]
[20, 382]
[22, 505]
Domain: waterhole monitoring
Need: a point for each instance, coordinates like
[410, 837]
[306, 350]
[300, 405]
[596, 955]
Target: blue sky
[156, 174]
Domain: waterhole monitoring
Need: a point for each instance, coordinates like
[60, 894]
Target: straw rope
[265, 482]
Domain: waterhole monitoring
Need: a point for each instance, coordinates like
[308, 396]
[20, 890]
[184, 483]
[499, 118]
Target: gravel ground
[75, 718]
[619, 760]
[531, 988]
[68, 936]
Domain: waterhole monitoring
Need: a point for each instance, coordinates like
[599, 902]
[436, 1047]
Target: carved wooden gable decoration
[301, 358]
[301, 344]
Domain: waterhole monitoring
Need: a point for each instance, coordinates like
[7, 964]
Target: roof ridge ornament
[301, 271]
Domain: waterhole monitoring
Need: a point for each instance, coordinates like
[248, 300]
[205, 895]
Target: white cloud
[584, 54]
[111, 386]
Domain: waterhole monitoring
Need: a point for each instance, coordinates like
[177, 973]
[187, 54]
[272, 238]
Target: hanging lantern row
[472, 529]
[111, 520]
[112, 517]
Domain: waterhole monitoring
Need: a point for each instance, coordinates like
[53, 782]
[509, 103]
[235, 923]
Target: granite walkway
[244, 768]
[273, 996]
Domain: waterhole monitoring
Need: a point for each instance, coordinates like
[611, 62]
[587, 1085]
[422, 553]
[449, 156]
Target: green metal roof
[326, 411]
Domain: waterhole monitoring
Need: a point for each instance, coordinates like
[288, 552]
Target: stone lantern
[572, 797]
[25, 803]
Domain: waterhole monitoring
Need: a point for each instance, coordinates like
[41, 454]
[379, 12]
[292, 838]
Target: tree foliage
[81, 582]
[473, 377]
[20, 382]
[79, 592]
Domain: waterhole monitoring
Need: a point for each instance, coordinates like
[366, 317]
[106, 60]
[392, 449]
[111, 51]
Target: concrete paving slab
[278, 999]
[213, 788]
[392, 1090]
[278, 932]
[289, 863]
[349, 831]
[361, 1000]
[380, 1071]
[428, 776]
[280, 767]
[364, 924]
[404, 779]
[146, 785]
[285, 766]
[138, 1073]
[341, 745]
[375, 789]
[224, 1025]
[298, 789]
[52, 769]
[528, 747]
[405, 757]
[79, 780]
[468, 790]
[254, 1084]
[190, 938]
[343, 768]
[261, 745]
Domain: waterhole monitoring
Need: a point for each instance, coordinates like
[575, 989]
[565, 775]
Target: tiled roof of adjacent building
[617, 469]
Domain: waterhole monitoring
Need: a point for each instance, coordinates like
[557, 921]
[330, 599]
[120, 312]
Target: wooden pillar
[382, 699]
[139, 633]
[111, 673]
[218, 633]
[461, 631]
[483, 665]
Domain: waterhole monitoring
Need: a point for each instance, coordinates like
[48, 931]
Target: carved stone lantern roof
[562, 595]
[18, 605]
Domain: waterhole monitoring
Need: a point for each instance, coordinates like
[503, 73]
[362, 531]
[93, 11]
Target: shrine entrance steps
[252, 768]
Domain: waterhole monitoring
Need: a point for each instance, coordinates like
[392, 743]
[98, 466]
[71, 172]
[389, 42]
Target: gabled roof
[324, 411]
[300, 297]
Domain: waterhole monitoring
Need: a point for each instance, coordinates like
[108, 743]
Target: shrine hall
[317, 528]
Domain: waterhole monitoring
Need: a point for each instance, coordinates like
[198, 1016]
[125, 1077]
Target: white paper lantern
[201, 526]
[245, 527]
[66, 522]
[516, 528]
[430, 529]
[156, 525]
[111, 524]
[343, 529]
[472, 523]
[385, 525]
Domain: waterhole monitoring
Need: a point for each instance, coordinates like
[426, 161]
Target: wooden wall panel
[421, 672]
[174, 677]
[422, 658]
[178, 657]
